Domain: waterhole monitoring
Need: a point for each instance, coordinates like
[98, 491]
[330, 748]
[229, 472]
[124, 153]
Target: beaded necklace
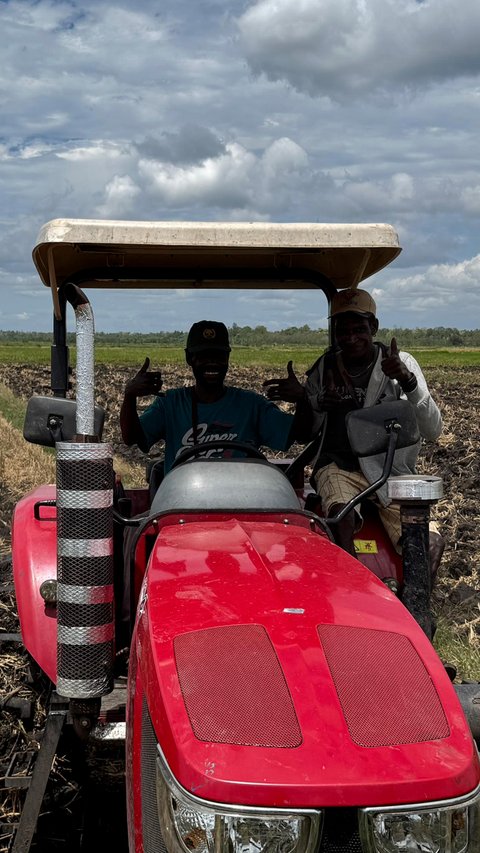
[365, 369]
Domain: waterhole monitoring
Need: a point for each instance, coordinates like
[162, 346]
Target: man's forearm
[132, 432]
[301, 429]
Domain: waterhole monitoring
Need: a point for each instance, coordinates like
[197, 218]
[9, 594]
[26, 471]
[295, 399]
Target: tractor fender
[34, 559]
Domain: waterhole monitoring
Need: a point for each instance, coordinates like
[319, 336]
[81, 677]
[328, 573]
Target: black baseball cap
[207, 334]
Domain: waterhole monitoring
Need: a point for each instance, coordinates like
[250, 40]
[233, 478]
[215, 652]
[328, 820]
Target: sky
[270, 111]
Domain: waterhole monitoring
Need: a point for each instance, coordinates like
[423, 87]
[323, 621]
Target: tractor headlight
[435, 828]
[189, 825]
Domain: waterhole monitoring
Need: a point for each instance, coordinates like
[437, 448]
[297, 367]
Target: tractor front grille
[340, 833]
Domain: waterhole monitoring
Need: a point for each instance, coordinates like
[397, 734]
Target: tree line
[260, 336]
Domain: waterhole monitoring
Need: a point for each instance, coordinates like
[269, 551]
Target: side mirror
[52, 419]
[368, 429]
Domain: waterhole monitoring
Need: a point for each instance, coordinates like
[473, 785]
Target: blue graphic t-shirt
[238, 416]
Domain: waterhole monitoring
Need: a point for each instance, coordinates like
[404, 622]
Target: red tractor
[281, 696]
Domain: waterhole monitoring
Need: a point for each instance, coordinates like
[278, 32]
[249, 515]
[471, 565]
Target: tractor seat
[225, 484]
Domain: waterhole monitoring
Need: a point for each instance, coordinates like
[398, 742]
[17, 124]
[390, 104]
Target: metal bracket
[36, 790]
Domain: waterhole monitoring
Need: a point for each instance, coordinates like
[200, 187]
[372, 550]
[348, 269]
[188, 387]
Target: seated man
[196, 415]
[207, 411]
[359, 372]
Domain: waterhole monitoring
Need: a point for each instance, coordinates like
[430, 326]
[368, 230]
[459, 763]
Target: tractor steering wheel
[249, 450]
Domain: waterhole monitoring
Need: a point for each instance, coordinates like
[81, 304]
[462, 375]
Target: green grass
[269, 357]
[448, 357]
[12, 408]
[25, 354]
[452, 646]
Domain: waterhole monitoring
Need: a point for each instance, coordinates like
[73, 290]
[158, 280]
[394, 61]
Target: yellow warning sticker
[365, 546]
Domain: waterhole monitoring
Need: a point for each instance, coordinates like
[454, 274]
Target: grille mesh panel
[152, 836]
[234, 688]
[377, 708]
[352, 845]
[340, 833]
[83, 474]
[86, 571]
[85, 523]
[82, 661]
[84, 615]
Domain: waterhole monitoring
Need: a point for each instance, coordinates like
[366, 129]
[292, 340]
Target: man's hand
[290, 390]
[392, 365]
[145, 383]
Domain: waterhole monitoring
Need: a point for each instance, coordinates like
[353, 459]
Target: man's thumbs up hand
[145, 382]
[393, 366]
[393, 347]
[290, 390]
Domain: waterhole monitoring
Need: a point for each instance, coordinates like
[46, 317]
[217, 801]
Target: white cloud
[284, 156]
[46, 16]
[441, 294]
[268, 112]
[237, 178]
[216, 181]
[470, 197]
[99, 150]
[120, 194]
[350, 48]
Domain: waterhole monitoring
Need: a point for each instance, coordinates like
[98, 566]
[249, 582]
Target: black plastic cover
[52, 419]
[368, 429]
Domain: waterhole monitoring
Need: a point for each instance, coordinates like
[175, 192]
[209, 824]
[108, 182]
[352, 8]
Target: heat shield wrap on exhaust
[85, 570]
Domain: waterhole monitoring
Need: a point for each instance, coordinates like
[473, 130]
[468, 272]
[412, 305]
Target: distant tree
[260, 336]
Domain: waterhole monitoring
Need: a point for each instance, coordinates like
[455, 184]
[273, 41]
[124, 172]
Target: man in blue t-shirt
[205, 412]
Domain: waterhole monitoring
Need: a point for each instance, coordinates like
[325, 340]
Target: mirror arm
[393, 429]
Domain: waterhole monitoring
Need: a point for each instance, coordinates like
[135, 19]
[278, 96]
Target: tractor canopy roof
[103, 254]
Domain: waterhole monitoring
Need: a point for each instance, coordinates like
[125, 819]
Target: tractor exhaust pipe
[415, 494]
[85, 479]
[85, 651]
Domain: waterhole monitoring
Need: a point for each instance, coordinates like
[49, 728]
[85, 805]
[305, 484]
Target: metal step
[111, 723]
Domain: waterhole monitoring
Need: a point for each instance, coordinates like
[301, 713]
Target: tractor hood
[279, 671]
